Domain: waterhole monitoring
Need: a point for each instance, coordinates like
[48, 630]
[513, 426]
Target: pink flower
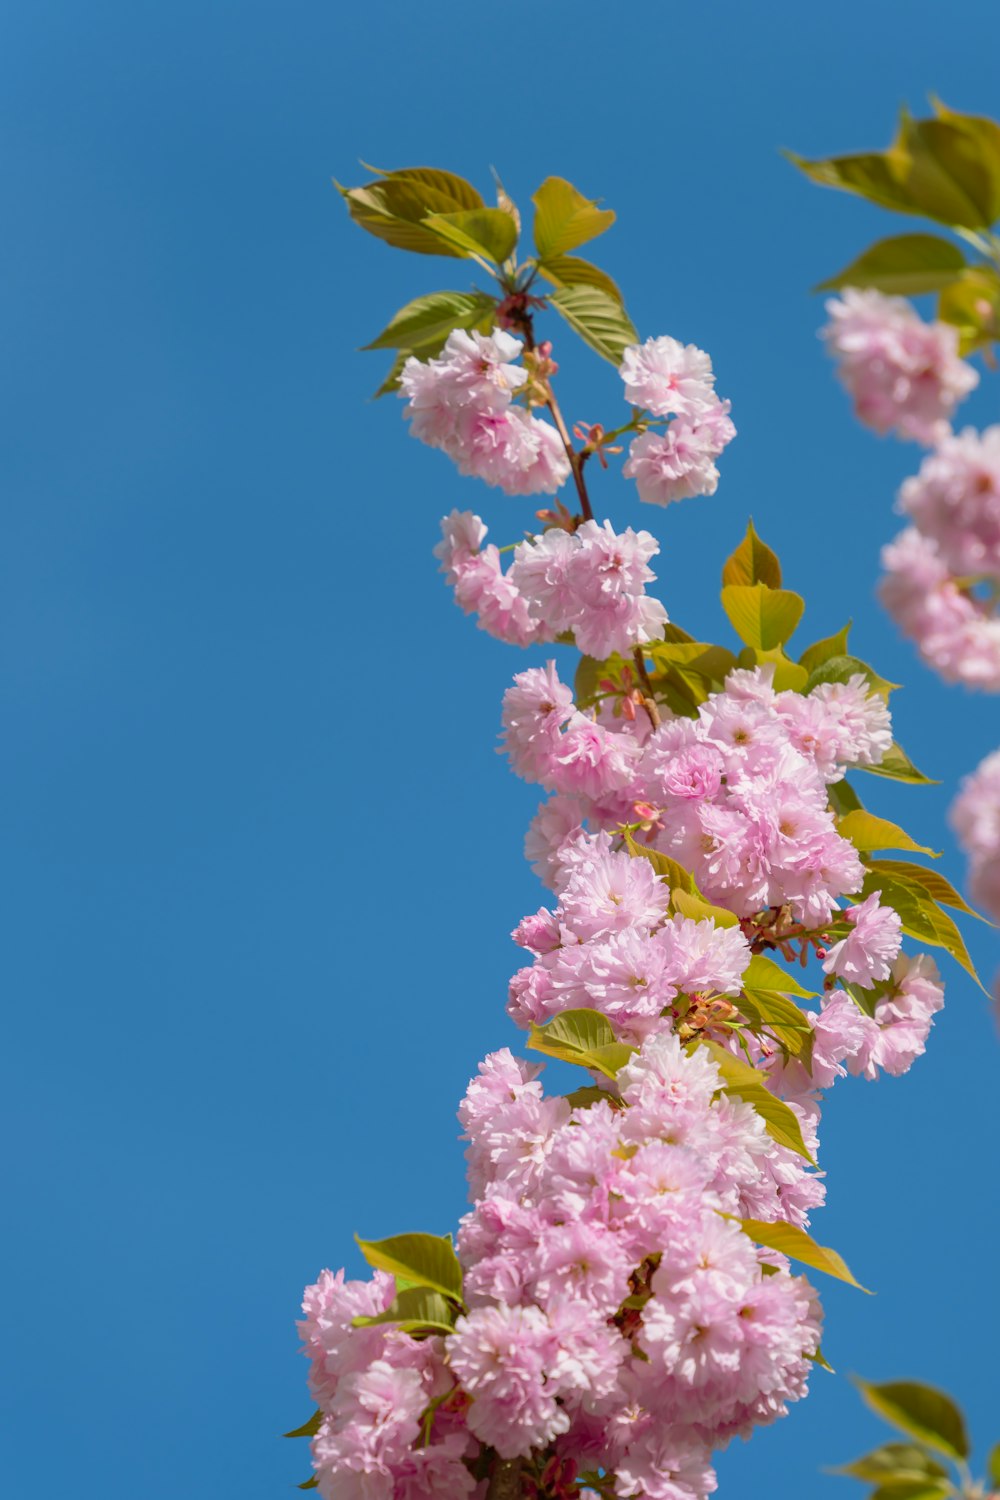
[664, 376]
[956, 633]
[461, 402]
[501, 1356]
[679, 462]
[868, 950]
[975, 816]
[903, 373]
[955, 501]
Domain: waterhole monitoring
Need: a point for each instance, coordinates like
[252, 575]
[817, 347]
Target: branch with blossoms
[907, 376]
[619, 1301]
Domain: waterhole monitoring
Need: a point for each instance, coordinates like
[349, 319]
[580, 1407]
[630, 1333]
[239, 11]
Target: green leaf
[920, 915]
[954, 170]
[416, 1310]
[866, 831]
[935, 884]
[308, 1429]
[431, 318]
[583, 1037]
[875, 175]
[393, 210]
[590, 673]
[789, 1240]
[763, 973]
[441, 192]
[391, 381]
[700, 910]
[905, 265]
[895, 1463]
[773, 1009]
[589, 1094]
[564, 218]
[921, 1411]
[993, 1466]
[752, 562]
[843, 798]
[668, 869]
[913, 1489]
[478, 231]
[788, 676]
[843, 668]
[308, 1484]
[570, 270]
[762, 617]
[898, 766]
[423, 1260]
[750, 1085]
[984, 137]
[819, 1359]
[934, 168]
[598, 318]
[972, 305]
[820, 651]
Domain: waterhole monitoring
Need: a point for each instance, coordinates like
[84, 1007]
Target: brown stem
[525, 325]
[648, 701]
[505, 1481]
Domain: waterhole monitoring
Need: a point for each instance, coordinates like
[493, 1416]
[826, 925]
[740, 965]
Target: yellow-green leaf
[423, 1260]
[920, 915]
[584, 1037]
[700, 910]
[820, 651]
[478, 231]
[972, 305]
[866, 832]
[750, 1085]
[564, 218]
[905, 265]
[763, 973]
[308, 1429]
[393, 210]
[789, 1240]
[895, 1463]
[439, 192]
[416, 1310]
[934, 883]
[788, 676]
[427, 320]
[752, 562]
[897, 766]
[597, 317]
[762, 617]
[668, 869]
[570, 270]
[843, 668]
[922, 1411]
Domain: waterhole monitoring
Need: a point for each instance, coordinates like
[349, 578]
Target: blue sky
[259, 858]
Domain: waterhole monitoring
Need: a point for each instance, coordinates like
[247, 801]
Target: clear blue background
[259, 858]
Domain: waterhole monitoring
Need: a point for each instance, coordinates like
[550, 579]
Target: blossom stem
[648, 701]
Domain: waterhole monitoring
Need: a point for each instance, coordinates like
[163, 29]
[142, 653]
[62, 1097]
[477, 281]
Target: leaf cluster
[432, 212]
[934, 1429]
[945, 168]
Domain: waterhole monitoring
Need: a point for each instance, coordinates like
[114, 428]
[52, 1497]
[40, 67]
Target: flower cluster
[738, 795]
[903, 374]
[943, 573]
[975, 816]
[616, 1318]
[667, 378]
[463, 402]
[590, 581]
